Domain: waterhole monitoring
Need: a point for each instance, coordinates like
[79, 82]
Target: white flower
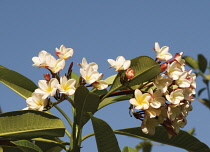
[175, 96]
[64, 53]
[66, 86]
[162, 83]
[40, 61]
[173, 71]
[90, 75]
[162, 53]
[55, 65]
[47, 88]
[100, 84]
[182, 80]
[148, 125]
[173, 112]
[85, 64]
[35, 102]
[152, 112]
[120, 63]
[141, 101]
[157, 99]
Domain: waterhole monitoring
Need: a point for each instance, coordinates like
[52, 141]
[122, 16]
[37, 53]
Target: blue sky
[99, 30]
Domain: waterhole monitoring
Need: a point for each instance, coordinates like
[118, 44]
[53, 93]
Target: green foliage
[27, 146]
[183, 139]
[21, 125]
[128, 149]
[191, 62]
[145, 69]
[206, 102]
[17, 82]
[85, 101]
[145, 145]
[202, 63]
[105, 138]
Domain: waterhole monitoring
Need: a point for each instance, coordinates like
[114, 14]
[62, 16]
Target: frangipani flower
[162, 83]
[182, 80]
[85, 64]
[64, 53]
[173, 71]
[141, 101]
[162, 53]
[40, 61]
[100, 84]
[35, 102]
[157, 99]
[148, 125]
[90, 75]
[175, 96]
[66, 86]
[55, 65]
[47, 88]
[120, 63]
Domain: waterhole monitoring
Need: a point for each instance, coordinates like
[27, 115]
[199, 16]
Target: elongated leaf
[1, 149]
[200, 91]
[27, 146]
[11, 149]
[183, 139]
[29, 124]
[105, 138]
[202, 63]
[110, 79]
[128, 149]
[145, 69]
[85, 101]
[206, 102]
[111, 100]
[17, 82]
[191, 62]
[145, 145]
[49, 144]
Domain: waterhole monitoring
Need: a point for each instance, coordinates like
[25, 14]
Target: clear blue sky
[99, 30]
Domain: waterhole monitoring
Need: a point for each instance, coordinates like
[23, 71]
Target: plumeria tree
[159, 91]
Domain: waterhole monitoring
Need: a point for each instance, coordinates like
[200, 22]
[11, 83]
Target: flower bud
[47, 76]
[129, 73]
[163, 67]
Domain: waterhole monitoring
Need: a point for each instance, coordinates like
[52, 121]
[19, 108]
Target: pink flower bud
[129, 73]
[163, 67]
[47, 76]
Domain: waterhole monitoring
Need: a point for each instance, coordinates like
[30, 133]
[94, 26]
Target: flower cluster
[169, 102]
[61, 87]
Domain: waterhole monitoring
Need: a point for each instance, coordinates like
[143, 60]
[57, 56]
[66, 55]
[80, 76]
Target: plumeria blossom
[55, 65]
[64, 53]
[148, 125]
[173, 112]
[141, 101]
[173, 71]
[90, 75]
[85, 64]
[100, 84]
[36, 102]
[120, 63]
[162, 53]
[40, 61]
[182, 80]
[47, 88]
[162, 83]
[157, 99]
[66, 87]
[175, 96]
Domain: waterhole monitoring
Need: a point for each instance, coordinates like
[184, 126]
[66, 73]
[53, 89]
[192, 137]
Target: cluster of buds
[60, 87]
[169, 100]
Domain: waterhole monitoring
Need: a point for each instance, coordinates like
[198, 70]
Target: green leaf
[110, 79]
[17, 82]
[85, 101]
[29, 124]
[202, 63]
[128, 149]
[206, 102]
[51, 144]
[145, 145]
[105, 138]
[111, 100]
[200, 91]
[27, 146]
[1, 149]
[183, 140]
[191, 62]
[76, 77]
[145, 69]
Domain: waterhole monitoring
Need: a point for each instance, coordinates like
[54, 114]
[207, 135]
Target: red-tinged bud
[163, 67]
[129, 73]
[47, 76]
[57, 53]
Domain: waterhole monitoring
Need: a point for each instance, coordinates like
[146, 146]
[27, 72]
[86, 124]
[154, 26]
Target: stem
[87, 136]
[64, 114]
[123, 92]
